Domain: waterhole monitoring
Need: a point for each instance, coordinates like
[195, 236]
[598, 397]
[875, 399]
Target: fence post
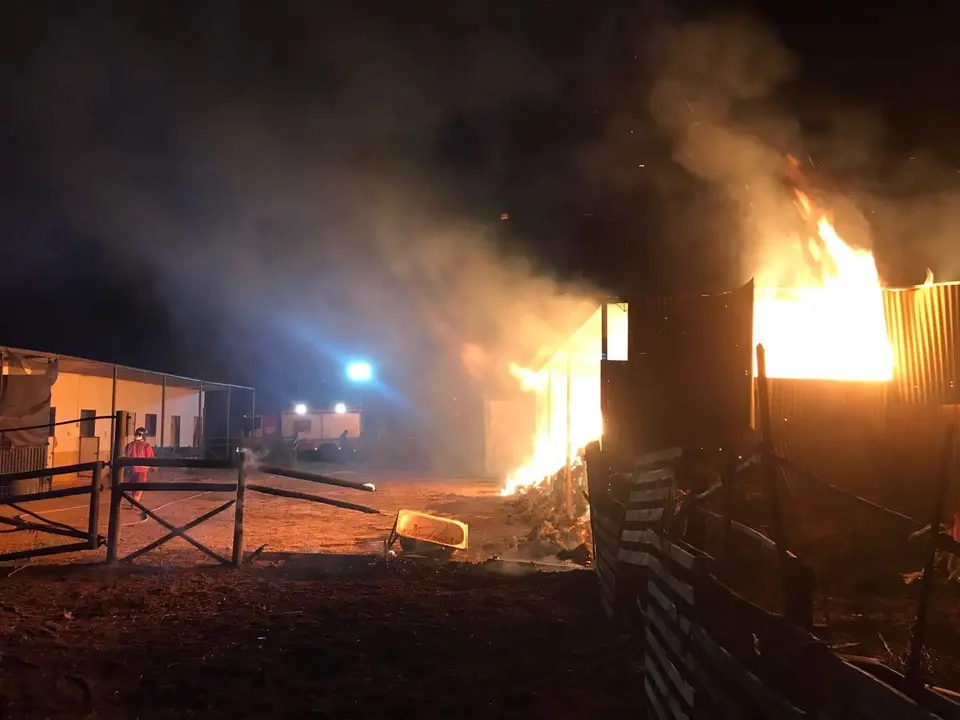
[238, 514]
[770, 475]
[116, 495]
[913, 681]
[94, 520]
[798, 605]
[729, 474]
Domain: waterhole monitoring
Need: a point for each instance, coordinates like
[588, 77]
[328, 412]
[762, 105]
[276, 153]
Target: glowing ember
[830, 325]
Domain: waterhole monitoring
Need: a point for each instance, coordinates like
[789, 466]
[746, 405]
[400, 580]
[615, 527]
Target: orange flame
[831, 325]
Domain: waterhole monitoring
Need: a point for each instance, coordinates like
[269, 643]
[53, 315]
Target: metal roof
[96, 368]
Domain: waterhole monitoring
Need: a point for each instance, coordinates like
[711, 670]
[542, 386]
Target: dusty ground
[347, 637]
[367, 641]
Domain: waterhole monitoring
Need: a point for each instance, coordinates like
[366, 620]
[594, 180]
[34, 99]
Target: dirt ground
[361, 640]
[171, 636]
[340, 635]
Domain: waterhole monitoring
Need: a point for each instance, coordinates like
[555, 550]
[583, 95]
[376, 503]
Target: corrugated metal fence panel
[818, 401]
[924, 324]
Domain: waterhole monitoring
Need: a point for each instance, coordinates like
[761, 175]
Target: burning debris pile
[554, 533]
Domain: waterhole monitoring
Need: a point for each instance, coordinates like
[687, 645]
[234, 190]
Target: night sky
[244, 191]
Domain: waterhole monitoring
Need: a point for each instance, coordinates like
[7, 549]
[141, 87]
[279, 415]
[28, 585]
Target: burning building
[862, 377]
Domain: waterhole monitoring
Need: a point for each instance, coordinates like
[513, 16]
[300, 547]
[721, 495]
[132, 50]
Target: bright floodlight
[339, 408]
[300, 409]
[359, 371]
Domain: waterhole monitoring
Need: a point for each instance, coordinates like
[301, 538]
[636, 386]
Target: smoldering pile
[553, 534]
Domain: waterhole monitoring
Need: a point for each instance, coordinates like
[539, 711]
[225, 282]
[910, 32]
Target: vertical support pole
[550, 423]
[113, 528]
[730, 474]
[93, 527]
[770, 474]
[229, 447]
[914, 681]
[798, 607]
[604, 322]
[113, 407]
[238, 514]
[568, 479]
[163, 413]
[202, 440]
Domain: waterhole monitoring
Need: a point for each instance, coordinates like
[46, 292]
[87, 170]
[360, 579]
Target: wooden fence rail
[710, 652]
[90, 536]
[122, 491]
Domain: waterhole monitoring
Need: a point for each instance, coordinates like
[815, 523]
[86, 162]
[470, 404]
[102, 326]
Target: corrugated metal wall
[859, 436]
[688, 374]
[924, 325]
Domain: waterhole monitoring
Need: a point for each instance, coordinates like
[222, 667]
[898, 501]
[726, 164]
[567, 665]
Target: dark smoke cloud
[731, 97]
[321, 207]
[301, 183]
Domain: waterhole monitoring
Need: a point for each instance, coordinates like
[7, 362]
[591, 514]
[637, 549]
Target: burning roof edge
[581, 316]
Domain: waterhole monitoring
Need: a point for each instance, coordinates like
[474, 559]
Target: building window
[301, 425]
[175, 431]
[53, 422]
[88, 426]
[618, 331]
[151, 424]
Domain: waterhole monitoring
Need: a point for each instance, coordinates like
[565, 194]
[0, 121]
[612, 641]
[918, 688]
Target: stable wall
[73, 393]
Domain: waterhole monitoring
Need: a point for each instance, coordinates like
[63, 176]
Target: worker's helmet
[140, 433]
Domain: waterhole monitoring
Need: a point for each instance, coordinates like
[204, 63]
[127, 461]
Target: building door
[89, 452]
[175, 432]
[89, 443]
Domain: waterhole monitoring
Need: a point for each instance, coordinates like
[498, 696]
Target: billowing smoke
[725, 96]
[323, 218]
[714, 79]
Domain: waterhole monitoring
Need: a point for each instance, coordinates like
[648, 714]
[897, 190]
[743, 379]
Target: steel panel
[923, 324]
[688, 377]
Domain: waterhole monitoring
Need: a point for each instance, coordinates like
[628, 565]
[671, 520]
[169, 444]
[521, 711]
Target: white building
[182, 416]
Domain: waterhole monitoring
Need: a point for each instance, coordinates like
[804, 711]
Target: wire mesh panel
[23, 459]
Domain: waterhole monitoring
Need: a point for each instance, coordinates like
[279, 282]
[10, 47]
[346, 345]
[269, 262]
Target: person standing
[138, 448]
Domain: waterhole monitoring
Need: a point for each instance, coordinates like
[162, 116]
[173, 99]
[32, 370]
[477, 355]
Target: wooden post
[238, 511]
[770, 474]
[913, 679]
[568, 479]
[798, 605]
[94, 520]
[730, 473]
[116, 495]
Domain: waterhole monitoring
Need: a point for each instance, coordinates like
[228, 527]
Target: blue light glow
[359, 371]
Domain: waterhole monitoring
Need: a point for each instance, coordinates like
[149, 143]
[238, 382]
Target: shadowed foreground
[368, 641]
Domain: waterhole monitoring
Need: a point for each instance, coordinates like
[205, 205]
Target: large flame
[831, 326]
[552, 443]
[819, 315]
